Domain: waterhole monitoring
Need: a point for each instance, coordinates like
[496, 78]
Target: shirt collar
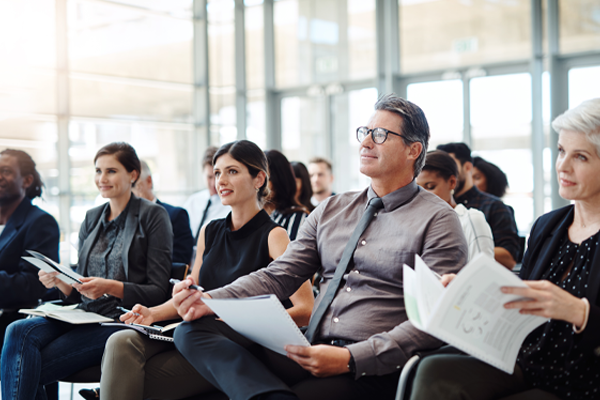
[469, 194]
[393, 200]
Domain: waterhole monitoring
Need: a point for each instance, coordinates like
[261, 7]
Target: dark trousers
[460, 377]
[242, 369]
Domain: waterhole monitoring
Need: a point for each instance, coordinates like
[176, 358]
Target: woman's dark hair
[442, 163]
[496, 180]
[306, 192]
[125, 154]
[249, 154]
[283, 183]
[27, 167]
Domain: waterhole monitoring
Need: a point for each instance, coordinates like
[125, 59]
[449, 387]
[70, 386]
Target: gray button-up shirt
[369, 306]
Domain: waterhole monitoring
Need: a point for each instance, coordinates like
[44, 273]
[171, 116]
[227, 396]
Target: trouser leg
[228, 360]
[462, 377]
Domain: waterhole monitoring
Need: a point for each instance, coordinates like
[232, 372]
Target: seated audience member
[183, 242]
[125, 256]
[23, 226]
[205, 205]
[439, 176]
[489, 178]
[281, 203]
[359, 329]
[303, 189]
[561, 358]
[321, 179]
[136, 367]
[499, 216]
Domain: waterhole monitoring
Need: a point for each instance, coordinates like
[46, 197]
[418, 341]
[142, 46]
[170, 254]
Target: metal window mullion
[537, 123]
[63, 118]
[388, 47]
[201, 106]
[240, 69]
[558, 93]
[467, 133]
[272, 107]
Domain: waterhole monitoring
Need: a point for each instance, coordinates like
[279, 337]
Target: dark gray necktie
[374, 205]
[204, 214]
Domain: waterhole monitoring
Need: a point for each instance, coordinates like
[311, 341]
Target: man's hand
[321, 360]
[188, 302]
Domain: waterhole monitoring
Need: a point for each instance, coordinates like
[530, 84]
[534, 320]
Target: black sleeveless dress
[231, 254]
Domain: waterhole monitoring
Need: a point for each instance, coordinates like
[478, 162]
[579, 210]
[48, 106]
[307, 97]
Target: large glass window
[501, 134]
[442, 103]
[584, 84]
[324, 40]
[453, 33]
[579, 25]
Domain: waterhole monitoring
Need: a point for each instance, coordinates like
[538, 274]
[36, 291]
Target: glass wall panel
[221, 42]
[584, 84]
[324, 40]
[255, 48]
[27, 57]
[579, 25]
[123, 99]
[501, 133]
[442, 103]
[179, 8]
[454, 33]
[122, 41]
[350, 110]
[222, 115]
[304, 128]
[256, 124]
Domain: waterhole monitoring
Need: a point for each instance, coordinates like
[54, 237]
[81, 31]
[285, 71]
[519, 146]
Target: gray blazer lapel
[131, 225]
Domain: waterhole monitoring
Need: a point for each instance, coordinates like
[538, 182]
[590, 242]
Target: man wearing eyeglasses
[358, 241]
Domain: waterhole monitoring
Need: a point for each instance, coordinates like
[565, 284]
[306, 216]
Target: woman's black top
[550, 357]
[230, 254]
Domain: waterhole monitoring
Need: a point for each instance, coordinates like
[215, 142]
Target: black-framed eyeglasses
[379, 135]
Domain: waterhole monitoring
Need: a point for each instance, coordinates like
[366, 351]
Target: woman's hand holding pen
[188, 302]
[138, 315]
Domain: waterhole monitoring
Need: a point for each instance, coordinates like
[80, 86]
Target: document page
[66, 275]
[261, 319]
[409, 282]
[471, 314]
[430, 289]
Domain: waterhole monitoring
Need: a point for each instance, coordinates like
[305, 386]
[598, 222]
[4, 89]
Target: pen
[437, 275]
[195, 287]
[126, 310]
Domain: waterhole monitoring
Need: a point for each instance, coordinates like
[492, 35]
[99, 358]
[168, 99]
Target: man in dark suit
[23, 226]
[183, 241]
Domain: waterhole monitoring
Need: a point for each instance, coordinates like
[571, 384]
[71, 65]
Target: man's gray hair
[585, 118]
[145, 170]
[414, 126]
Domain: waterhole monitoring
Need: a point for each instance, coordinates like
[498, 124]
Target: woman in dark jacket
[561, 358]
[125, 256]
[24, 227]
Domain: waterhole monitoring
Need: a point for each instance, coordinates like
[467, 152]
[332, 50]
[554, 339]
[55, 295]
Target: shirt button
[375, 214]
[364, 373]
[336, 319]
[363, 242]
[357, 271]
[348, 289]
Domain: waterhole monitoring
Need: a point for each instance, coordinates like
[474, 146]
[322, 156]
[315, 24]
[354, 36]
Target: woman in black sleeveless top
[135, 367]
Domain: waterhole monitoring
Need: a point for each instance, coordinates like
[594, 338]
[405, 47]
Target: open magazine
[469, 314]
[46, 264]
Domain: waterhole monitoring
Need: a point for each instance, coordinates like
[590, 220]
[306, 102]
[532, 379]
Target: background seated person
[183, 241]
[136, 367]
[23, 226]
[561, 358]
[281, 204]
[439, 176]
[125, 256]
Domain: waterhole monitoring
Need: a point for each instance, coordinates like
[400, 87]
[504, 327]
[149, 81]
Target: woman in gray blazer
[125, 257]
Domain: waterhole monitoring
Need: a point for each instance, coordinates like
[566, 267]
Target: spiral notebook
[261, 319]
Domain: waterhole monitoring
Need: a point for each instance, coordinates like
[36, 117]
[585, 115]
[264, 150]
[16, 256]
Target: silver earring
[452, 192]
[257, 189]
